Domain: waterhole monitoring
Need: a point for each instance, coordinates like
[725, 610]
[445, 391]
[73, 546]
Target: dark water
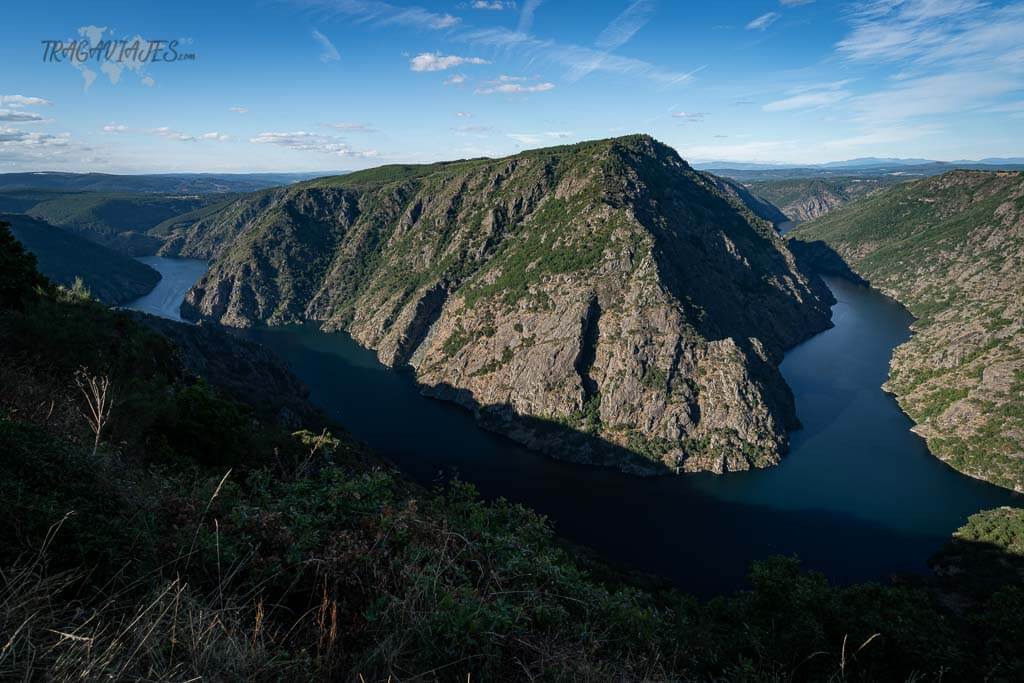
[858, 497]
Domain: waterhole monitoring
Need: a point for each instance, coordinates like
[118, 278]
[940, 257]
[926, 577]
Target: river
[858, 497]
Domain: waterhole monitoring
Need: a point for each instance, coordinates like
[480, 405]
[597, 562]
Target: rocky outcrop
[602, 302]
[951, 248]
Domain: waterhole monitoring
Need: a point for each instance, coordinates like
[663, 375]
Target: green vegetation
[949, 248]
[203, 540]
[64, 257]
[118, 220]
[802, 199]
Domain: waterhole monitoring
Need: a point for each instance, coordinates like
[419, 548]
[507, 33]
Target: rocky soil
[602, 302]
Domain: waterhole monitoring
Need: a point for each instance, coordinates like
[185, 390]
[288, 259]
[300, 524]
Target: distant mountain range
[177, 183]
[859, 163]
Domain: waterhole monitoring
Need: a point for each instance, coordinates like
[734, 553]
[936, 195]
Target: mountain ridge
[580, 299]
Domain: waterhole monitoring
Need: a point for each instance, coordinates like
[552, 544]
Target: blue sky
[320, 85]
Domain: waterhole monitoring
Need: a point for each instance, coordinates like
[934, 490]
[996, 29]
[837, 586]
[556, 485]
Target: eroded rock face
[951, 248]
[602, 302]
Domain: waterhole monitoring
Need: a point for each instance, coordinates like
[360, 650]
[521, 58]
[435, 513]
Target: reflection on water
[858, 497]
[178, 276]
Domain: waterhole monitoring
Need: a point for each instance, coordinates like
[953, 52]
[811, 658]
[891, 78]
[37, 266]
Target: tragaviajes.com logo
[97, 46]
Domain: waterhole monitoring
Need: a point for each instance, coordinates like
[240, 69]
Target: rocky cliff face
[952, 249]
[601, 302]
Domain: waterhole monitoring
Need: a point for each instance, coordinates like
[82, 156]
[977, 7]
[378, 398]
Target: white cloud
[538, 138]
[492, 4]
[239, 110]
[15, 101]
[351, 127]
[18, 116]
[514, 88]
[330, 53]
[165, 132]
[13, 138]
[435, 61]
[764, 21]
[115, 128]
[794, 3]
[690, 117]
[312, 142]
[463, 114]
[171, 134]
[456, 79]
[808, 100]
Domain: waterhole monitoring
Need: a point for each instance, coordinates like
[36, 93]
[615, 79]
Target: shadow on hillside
[552, 438]
[974, 570]
[819, 258]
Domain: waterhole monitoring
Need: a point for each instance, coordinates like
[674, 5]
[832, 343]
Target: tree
[19, 278]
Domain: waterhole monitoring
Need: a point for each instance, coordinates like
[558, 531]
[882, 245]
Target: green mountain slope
[119, 221]
[803, 199]
[64, 256]
[597, 301]
[952, 249]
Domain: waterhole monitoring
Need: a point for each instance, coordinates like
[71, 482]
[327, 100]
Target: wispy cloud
[171, 134]
[504, 88]
[492, 4]
[690, 116]
[619, 32]
[19, 116]
[764, 21]
[953, 56]
[330, 53]
[382, 13]
[811, 96]
[794, 3]
[578, 60]
[539, 138]
[347, 127]
[239, 110]
[455, 79]
[526, 16]
[167, 132]
[304, 141]
[622, 29]
[14, 137]
[933, 31]
[15, 101]
[435, 61]
[115, 128]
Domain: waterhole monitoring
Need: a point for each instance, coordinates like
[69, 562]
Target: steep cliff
[602, 302]
[951, 248]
